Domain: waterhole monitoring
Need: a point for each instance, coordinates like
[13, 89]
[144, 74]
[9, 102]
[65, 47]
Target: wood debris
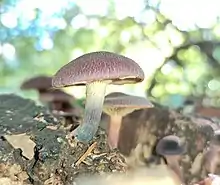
[88, 151]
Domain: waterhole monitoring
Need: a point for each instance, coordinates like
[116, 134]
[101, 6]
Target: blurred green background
[176, 42]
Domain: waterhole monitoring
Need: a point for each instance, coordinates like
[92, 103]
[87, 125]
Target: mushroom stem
[173, 163]
[95, 94]
[113, 130]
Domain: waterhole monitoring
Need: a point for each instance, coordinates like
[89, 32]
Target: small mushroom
[212, 155]
[58, 100]
[59, 103]
[56, 96]
[40, 83]
[171, 148]
[96, 70]
[117, 105]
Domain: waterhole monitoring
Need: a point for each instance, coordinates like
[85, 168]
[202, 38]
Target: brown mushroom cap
[121, 103]
[38, 82]
[56, 95]
[170, 145]
[98, 66]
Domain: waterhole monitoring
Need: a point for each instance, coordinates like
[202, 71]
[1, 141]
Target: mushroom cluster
[96, 70]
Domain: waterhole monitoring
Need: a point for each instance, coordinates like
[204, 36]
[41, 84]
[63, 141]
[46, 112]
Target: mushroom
[211, 157]
[40, 83]
[117, 105]
[171, 148]
[57, 97]
[59, 102]
[96, 70]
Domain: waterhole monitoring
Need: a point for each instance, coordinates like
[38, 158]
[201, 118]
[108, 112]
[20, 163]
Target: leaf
[23, 142]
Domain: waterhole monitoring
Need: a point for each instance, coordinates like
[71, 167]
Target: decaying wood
[142, 129]
[54, 157]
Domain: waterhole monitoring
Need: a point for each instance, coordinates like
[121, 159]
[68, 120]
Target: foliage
[43, 42]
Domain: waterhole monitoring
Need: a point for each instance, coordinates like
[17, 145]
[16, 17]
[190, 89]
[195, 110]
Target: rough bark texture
[55, 157]
[142, 129]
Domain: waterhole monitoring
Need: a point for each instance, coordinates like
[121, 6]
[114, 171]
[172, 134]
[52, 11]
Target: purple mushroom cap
[98, 66]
